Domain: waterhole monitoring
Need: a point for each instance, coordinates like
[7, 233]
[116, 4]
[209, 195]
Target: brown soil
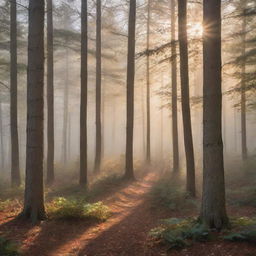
[125, 233]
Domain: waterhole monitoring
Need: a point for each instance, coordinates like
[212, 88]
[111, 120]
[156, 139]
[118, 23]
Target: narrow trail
[124, 233]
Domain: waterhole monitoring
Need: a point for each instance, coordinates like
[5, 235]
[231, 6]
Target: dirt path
[124, 233]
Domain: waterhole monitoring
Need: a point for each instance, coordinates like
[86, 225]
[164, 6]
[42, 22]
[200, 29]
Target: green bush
[63, 208]
[7, 248]
[179, 233]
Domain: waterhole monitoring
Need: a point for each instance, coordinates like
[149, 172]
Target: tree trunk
[213, 212]
[34, 189]
[83, 104]
[175, 136]
[98, 90]
[50, 96]
[129, 172]
[184, 76]
[2, 138]
[15, 163]
[243, 89]
[65, 109]
[148, 156]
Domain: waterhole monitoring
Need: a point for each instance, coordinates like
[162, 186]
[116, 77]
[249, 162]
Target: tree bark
[83, 103]
[175, 136]
[15, 163]
[2, 138]
[213, 211]
[98, 149]
[148, 156]
[184, 76]
[34, 189]
[50, 96]
[243, 89]
[65, 109]
[129, 172]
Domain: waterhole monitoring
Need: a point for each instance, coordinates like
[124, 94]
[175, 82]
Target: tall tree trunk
[15, 163]
[50, 96]
[143, 120]
[83, 103]
[65, 108]
[161, 120]
[2, 138]
[243, 89]
[98, 90]
[175, 136]
[213, 212]
[34, 189]
[148, 157]
[129, 172]
[184, 76]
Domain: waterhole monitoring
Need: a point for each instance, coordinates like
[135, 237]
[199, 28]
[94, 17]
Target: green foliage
[179, 233]
[169, 194]
[244, 230]
[63, 208]
[246, 235]
[7, 248]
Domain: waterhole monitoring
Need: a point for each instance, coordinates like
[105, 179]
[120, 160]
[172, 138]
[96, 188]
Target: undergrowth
[63, 208]
[180, 233]
[8, 248]
[170, 194]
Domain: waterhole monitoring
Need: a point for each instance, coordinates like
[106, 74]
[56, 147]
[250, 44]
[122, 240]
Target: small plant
[180, 233]
[7, 248]
[244, 230]
[63, 208]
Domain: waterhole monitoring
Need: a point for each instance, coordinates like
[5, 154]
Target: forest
[127, 128]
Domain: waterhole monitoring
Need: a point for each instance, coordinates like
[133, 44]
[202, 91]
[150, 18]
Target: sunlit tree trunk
[213, 211]
[148, 156]
[175, 136]
[143, 120]
[50, 96]
[15, 163]
[34, 189]
[83, 103]
[129, 172]
[98, 149]
[243, 89]
[184, 76]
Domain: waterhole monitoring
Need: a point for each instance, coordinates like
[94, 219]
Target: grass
[70, 209]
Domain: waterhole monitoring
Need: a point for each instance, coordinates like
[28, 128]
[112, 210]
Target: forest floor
[125, 233]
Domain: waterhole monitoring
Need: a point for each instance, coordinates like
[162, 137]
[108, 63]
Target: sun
[195, 30]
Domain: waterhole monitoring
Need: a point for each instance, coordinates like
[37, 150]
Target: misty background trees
[140, 84]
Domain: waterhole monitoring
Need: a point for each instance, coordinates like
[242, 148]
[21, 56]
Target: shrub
[179, 233]
[7, 248]
[63, 208]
